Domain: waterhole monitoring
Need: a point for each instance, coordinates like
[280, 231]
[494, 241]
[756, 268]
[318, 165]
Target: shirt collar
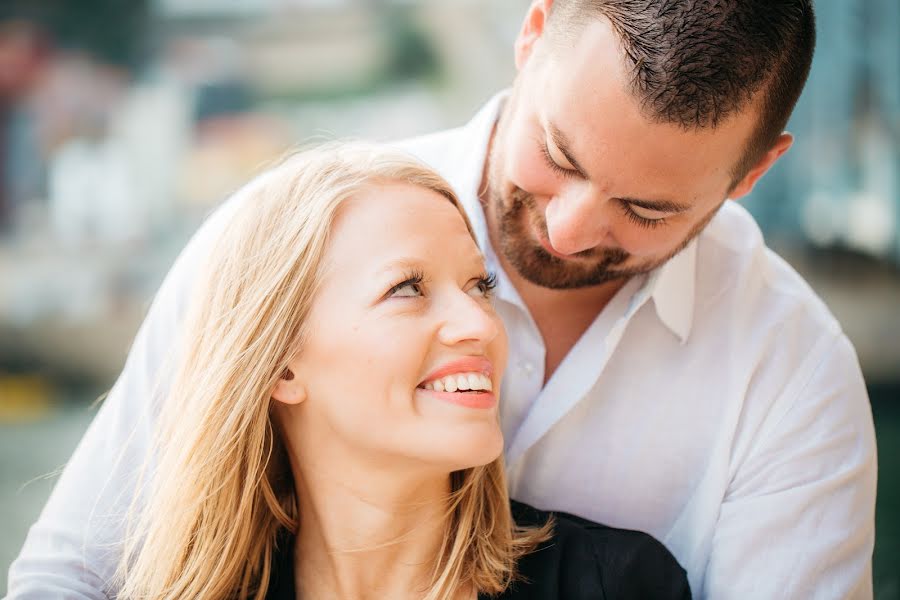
[671, 286]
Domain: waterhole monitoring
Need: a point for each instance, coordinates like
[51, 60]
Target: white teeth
[486, 383]
[461, 382]
[474, 381]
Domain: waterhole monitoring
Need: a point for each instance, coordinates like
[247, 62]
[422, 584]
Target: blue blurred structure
[840, 185]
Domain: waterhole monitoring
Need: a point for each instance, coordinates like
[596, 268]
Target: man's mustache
[522, 201]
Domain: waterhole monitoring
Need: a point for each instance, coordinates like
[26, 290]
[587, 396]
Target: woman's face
[404, 312]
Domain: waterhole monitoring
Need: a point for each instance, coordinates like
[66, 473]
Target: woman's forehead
[385, 223]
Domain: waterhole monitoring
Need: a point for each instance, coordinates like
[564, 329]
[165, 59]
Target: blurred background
[124, 123]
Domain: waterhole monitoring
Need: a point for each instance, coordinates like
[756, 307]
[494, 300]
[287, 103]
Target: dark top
[581, 561]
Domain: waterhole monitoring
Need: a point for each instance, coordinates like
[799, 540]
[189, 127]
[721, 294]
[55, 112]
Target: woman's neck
[375, 537]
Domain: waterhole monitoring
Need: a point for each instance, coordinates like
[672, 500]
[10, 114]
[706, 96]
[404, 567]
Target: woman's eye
[410, 287]
[485, 285]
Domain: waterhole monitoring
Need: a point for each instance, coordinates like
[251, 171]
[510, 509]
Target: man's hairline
[745, 162]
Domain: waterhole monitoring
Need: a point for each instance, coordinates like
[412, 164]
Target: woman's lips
[469, 399]
[475, 365]
[468, 364]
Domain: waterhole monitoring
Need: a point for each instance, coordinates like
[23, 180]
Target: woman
[332, 428]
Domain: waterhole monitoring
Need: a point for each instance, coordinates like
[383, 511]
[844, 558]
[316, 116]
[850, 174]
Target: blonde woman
[332, 428]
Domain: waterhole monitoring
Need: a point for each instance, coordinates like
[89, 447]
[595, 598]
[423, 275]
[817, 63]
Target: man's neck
[377, 540]
[561, 316]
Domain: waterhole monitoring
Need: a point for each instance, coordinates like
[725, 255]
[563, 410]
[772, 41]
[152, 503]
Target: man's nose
[575, 222]
[466, 320]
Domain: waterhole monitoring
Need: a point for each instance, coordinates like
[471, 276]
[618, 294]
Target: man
[667, 373]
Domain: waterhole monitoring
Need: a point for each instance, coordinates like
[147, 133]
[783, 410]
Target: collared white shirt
[714, 403]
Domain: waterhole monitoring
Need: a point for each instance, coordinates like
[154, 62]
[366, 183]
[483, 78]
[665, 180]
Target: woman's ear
[289, 389]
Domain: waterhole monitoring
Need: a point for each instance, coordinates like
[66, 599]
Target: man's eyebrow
[561, 142]
[657, 205]
[668, 206]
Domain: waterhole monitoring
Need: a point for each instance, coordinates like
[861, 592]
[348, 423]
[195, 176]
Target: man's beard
[517, 216]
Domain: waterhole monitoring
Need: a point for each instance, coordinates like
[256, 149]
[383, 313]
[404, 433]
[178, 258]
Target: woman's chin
[475, 447]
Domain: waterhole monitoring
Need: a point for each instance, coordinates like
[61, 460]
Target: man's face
[583, 187]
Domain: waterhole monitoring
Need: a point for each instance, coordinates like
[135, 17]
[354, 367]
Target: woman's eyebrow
[400, 264]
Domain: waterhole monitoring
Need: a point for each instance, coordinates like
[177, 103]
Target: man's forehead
[604, 132]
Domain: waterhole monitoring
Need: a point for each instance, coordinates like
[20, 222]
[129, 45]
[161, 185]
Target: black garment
[582, 561]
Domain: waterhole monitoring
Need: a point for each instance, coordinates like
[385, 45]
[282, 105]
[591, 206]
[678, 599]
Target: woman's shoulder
[587, 560]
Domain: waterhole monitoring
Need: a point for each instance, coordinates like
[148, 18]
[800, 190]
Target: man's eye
[640, 221]
[646, 213]
[555, 166]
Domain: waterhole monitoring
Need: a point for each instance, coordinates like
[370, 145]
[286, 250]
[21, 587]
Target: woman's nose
[575, 222]
[465, 319]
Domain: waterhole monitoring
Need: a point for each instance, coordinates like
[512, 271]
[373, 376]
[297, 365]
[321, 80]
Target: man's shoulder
[440, 150]
[737, 270]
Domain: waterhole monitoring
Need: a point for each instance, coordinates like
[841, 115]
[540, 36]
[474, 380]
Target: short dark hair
[695, 62]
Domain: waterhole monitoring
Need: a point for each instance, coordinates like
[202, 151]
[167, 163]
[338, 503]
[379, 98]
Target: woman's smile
[465, 382]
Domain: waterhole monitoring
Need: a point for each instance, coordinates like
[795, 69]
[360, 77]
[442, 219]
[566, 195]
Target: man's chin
[545, 270]
[574, 281]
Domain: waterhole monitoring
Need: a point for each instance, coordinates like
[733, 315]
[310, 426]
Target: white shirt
[715, 404]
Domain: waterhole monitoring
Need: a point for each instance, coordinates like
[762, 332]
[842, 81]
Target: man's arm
[73, 549]
[798, 520]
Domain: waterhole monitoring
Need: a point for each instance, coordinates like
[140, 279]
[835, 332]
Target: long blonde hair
[221, 490]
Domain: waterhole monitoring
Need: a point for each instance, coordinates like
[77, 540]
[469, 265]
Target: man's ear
[745, 185]
[289, 389]
[532, 30]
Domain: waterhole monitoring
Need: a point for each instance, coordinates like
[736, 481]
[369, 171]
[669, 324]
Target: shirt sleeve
[798, 519]
[73, 549]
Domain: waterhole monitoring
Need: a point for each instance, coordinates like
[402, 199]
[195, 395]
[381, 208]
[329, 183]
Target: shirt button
[526, 366]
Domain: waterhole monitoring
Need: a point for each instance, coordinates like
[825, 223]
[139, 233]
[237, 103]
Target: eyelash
[629, 213]
[638, 219]
[486, 283]
[412, 278]
[545, 152]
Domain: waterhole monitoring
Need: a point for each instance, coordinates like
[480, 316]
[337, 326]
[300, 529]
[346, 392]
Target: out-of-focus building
[115, 162]
[121, 163]
[840, 185]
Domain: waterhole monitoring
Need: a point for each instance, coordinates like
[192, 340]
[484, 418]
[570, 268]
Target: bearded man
[668, 372]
